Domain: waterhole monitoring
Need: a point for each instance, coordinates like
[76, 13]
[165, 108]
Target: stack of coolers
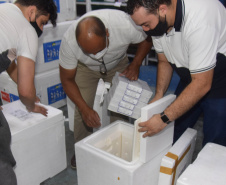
[128, 97]
[47, 81]
[118, 153]
[38, 143]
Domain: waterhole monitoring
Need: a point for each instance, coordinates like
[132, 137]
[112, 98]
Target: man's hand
[38, 109]
[91, 118]
[132, 71]
[152, 126]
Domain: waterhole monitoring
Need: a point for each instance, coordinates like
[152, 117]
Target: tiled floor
[69, 176]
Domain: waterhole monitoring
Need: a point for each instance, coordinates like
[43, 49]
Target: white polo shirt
[122, 33]
[199, 33]
[16, 32]
[201, 36]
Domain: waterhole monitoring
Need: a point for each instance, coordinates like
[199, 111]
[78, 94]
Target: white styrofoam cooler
[208, 168]
[38, 143]
[105, 157]
[49, 46]
[66, 10]
[178, 158]
[48, 88]
[108, 156]
[71, 113]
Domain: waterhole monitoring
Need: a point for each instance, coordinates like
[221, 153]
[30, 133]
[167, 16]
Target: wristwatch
[164, 118]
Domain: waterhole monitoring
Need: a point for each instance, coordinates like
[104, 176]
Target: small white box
[128, 97]
[208, 168]
[49, 46]
[178, 158]
[38, 143]
[48, 88]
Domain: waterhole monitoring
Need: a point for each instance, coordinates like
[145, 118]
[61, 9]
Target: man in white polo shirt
[21, 24]
[95, 47]
[190, 38]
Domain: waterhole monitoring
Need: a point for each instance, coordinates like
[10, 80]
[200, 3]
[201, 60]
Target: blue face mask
[36, 27]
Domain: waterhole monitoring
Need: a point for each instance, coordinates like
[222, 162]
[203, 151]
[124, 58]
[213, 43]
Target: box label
[8, 97]
[5, 96]
[57, 2]
[51, 51]
[13, 97]
[55, 93]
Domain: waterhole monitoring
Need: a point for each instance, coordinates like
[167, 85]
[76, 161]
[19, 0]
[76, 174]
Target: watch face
[165, 118]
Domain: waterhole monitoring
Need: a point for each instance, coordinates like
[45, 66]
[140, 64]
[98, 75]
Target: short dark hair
[44, 7]
[150, 5]
[98, 27]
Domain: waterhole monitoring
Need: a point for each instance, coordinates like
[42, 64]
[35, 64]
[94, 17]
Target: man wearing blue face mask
[21, 24]
[95, 47]
[190, 38]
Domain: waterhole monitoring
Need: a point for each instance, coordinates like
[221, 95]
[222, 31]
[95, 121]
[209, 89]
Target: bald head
[91, 34]
[90, 26]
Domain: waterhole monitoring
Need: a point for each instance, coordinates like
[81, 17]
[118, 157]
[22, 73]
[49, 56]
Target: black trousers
[7, 161]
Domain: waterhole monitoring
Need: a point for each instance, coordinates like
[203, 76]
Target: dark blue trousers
[214, 119]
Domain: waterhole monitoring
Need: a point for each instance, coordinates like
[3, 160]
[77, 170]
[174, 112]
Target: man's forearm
[164, 75]
[196, 90]
[142, 51]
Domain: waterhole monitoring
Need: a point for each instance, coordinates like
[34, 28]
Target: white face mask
[100, 54]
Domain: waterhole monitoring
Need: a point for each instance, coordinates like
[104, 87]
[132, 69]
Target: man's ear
[163, 10]
[107, 32]
[31, 12]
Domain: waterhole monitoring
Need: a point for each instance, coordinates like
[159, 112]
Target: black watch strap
[164, 118]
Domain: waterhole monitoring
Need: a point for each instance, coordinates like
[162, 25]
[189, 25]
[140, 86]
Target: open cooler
[119, 155]
[108, 156]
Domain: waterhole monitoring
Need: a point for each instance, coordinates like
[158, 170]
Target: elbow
[23, 94]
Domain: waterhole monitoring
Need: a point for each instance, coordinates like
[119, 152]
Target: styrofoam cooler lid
[149, 147]
[208, 168]
[23, 123]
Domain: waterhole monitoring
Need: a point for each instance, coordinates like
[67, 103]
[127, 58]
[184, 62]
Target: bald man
[95, 47]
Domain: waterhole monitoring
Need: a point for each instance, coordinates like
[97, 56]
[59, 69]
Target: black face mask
[159, 30]
[36, 27]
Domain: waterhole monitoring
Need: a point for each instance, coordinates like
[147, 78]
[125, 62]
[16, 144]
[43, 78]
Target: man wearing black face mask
[20, 25]
[192, 41]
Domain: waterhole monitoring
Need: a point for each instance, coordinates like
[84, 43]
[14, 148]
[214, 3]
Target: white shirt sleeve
[67, 59]
[27, 45]
[202, 48]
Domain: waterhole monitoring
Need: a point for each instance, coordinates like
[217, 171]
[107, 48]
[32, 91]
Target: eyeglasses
[103, 69]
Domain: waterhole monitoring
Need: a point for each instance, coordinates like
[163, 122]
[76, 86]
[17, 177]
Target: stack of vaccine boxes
[208, 168]
[128, 97]
[118, 154]
[38, 142]
[47, 80]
